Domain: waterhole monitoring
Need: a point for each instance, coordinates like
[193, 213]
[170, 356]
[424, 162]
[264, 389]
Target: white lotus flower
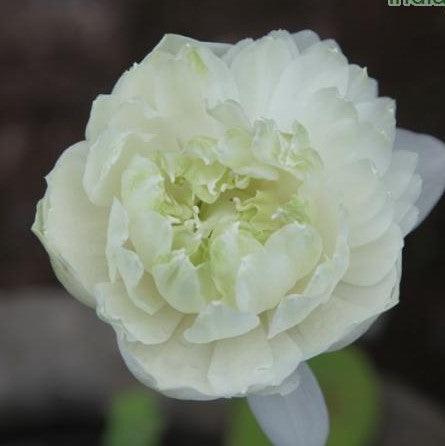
[236, 210]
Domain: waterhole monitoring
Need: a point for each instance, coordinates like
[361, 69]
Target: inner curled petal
[217, 230]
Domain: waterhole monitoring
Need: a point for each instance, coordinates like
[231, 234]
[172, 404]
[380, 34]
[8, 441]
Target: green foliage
[350, 387]
[243, 428]
[134, 419]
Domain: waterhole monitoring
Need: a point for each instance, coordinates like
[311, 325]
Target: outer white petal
[176, 368]
[321, 66]
[404, 186]
[388, 296]
[117, 235]
[373, 228]
[185, 85]
[107, 158]
[380, 112]
[102, 110]
[109, 111]
[431, 167]
[349, 307]
[353, 334]
[71, 228]
[218, 321]
[235, 49]
[265, 276]
[115, 307]
[257, 69]
[365, 198]
[242, 363]
[299, 418]
[400, 172]
[286, 357]
[361, 88]
[288, 39]
[305, 39]
[371, 262]
[136, 82]
[173, 43]
[296, 307]
[225, 368]
[342, 135]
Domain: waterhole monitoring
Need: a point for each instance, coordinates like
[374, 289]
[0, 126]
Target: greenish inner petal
[204, 199]
[222, 199]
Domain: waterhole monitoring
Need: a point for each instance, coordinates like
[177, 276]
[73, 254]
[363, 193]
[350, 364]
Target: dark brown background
[57, 55]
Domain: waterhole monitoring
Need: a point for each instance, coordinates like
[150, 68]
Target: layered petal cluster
[233, 211]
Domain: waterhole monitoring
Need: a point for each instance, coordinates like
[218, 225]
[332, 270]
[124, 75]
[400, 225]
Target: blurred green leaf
[134, 419]
[243, 428]
[350, 386]
[351, 389]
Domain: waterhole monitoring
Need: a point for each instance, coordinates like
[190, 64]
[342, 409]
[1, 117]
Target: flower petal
[180, 284]
[107, 158]
[102, 110]
[139, 284]
[71, 228]
[226, 252]
[400, 172]
[286, 358]
[369, 208]
[117, 235]
[115, 307]
[266, 275]
[172, 43]
[305, 39]
[361, 88]
[373, 301]
[218, 321]
[186, 84]
[345, 312]
[371, 262]
[257, 69]
[152, 236]
[322, 66]
[240, 363]
[380, 112]
[431, 167]
[299, 418]
[177, 368]
[296, 307]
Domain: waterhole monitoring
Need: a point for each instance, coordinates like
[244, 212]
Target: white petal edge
[176, 368]
[115, 307]
[305, 39]
[430, 167]
[67, 224]
[219, 321]
[172, 43]
[299, 418]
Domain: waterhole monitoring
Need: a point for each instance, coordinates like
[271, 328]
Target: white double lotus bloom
[236, 210]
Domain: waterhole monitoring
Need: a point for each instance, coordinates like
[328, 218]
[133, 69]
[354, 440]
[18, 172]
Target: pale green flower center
[201, 197]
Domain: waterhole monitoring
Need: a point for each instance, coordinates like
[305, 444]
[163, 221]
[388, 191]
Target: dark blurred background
[57, 55]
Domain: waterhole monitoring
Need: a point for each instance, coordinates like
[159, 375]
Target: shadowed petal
[299, 418]
[430, 167]
[71, 228]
